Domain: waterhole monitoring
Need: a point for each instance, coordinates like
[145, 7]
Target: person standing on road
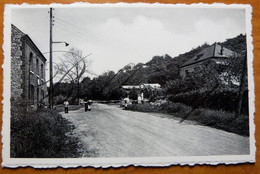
[86, 106]
[66, 106]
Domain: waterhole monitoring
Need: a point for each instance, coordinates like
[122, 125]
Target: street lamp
[51, 71]
[66, 44]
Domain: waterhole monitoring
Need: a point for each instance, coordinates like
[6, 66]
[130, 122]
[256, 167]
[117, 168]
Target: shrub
[145, 107]
[219, 99]
[222, 120]
[59, 99]
[43, 134]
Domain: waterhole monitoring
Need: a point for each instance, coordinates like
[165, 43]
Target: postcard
[112, 85]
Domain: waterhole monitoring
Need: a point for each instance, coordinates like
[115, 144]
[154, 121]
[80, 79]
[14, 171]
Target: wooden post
[241, 88]
[51, 70]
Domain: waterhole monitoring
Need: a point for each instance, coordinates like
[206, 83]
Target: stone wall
[34, 78]
[27, 79]
[16, 63]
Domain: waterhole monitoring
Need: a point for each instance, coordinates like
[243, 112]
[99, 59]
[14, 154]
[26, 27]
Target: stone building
[27, 70]
[215, 52]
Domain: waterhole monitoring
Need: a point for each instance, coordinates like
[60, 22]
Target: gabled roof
[17, 30]
[26, 37]
[214, 51]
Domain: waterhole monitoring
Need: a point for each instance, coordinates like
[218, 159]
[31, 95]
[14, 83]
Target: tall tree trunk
[241, 88]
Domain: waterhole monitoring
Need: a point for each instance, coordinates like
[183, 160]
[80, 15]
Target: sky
[117, 36]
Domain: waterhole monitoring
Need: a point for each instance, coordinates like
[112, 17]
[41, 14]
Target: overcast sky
[120, 35]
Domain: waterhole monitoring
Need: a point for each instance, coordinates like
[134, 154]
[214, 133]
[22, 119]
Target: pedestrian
[66, 106]
[86, 106]
[89, 105]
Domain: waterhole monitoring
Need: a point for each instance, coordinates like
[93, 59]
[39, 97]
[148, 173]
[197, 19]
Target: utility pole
[242, 87]
[51, 70]
[77, 80]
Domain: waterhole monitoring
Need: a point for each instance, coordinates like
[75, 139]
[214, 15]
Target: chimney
[221, 50]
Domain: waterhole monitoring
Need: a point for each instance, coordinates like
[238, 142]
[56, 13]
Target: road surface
[110, 131]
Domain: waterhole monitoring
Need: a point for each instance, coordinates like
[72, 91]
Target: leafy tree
[133, 94]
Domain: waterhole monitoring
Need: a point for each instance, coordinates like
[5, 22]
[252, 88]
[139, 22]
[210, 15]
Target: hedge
[219, 99]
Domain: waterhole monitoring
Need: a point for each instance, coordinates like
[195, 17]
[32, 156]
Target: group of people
[86, 103]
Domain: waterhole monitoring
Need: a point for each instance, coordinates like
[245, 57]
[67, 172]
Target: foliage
[221, 99]
[41, 134]
[133, 94]
[163, 70]
[206, 76]
[59, 99]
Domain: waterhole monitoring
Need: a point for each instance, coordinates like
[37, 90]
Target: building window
[31, 62]
[37, 94]
[37, 66]
[198, 57]
[42, 71]
[29, 74]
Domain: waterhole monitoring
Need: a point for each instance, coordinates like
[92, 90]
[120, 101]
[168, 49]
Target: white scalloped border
[120, 162]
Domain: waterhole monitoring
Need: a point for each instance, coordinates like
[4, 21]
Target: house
[214, 52]
[153, 87]
[27, 70]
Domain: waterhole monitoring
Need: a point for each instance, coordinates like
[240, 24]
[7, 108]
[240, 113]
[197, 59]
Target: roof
[214, 51]
[17, 30]
[130, 87]
[25, 36]
[151, 85]
[142, 86]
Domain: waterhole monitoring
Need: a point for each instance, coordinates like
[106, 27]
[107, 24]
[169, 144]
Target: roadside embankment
[213, 118]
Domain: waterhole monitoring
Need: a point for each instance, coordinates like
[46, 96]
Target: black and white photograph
[122, 84]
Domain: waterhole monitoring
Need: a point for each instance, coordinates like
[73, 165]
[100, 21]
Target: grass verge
[213, 118]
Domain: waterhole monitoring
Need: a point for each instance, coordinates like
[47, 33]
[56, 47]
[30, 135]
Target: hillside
[164, 68]
[160, 69]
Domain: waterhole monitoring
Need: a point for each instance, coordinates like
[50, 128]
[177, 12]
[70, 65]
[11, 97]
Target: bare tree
[73, 66]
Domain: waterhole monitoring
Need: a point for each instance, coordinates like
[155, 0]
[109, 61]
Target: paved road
[109, 131]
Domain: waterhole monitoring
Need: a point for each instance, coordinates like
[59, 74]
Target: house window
[221, 50]
[42, 71]
[31, 62]
[37, 94]
[29, 73]
[198, 57]
[37, 66]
